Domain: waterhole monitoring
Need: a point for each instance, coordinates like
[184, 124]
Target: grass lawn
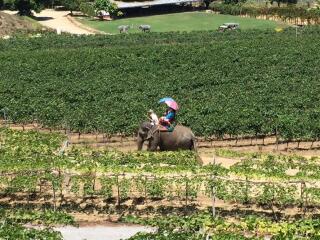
[34, 23]
[189, 21]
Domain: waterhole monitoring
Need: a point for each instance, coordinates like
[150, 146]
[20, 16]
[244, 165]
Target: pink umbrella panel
[172, 104]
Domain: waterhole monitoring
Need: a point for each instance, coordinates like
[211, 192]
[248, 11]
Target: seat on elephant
[169, 128]
[160, 128]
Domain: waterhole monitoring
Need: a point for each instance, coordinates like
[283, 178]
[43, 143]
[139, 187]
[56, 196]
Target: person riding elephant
[167, 122]
[166, 135]
[181, 138]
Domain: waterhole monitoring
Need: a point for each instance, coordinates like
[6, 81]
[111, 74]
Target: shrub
[105, 5]
[87, 9]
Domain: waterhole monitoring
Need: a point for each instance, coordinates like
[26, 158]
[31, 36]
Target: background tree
[8, 4]
[72, 5]
[290, 2]
[87, 9]
[234, 1]
[207, 3]
[279, 2]
[106, 5]
[25, 7]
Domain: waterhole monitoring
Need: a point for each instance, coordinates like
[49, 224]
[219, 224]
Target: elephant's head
[145, 133]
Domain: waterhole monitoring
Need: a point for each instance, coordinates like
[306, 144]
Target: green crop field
[43, 184]
[238, 83]
[193, 21]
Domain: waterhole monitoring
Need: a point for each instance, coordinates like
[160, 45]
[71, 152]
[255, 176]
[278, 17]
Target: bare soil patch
[10, 24]
[115, 232]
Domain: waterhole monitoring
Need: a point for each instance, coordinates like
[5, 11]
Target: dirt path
[60, 20]
[112, 232]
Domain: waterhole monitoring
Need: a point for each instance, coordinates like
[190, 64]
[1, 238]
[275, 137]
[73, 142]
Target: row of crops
[286, 14]
[80, 173]
[34, 171]
[240, 83]
[202, 225]
[17, 223]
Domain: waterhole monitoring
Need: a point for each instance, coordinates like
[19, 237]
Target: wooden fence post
[302, 192]
[213, 191]
[54, 197]
[145, 189]
[187, 191]
[118, 190]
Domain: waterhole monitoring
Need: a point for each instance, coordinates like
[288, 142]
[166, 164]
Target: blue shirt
[170, 116]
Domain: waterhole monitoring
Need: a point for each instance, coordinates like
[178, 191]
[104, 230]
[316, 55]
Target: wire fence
[187, 189]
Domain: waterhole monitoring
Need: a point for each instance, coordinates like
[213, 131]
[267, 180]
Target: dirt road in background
[60, 20]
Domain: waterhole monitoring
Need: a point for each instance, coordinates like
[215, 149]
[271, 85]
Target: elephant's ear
[150, 135]
[151, 132]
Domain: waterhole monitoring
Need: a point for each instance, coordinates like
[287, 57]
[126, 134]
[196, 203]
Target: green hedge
[285, 13]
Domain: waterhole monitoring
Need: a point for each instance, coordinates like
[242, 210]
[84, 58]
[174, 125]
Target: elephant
[181, 138]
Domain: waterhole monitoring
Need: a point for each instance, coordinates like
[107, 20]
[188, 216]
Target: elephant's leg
[193, 145]
[154, 141]
[139, 144]
[152, 146]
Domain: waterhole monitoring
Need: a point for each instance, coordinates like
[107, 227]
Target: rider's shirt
[170, 117]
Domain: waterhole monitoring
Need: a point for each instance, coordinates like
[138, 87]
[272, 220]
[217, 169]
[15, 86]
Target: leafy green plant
[15, 231]
[87, 8]
[105, 5]
[106, 186]
[81, 105]
[170, 175]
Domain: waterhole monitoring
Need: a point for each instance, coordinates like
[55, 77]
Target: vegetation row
[29, 165]
[289, 13]
[241, 83]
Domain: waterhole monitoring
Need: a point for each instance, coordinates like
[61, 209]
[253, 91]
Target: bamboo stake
[118, 191]
[213, 191]
[186, 192]
[54, 198]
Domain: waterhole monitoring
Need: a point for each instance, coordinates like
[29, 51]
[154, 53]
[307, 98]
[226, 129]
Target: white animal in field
[123, 28]
[145, 28]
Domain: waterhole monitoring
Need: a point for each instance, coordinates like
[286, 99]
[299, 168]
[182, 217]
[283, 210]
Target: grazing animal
[145, 28]
[123, 28]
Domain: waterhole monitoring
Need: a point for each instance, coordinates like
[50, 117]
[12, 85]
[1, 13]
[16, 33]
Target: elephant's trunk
[140, 143]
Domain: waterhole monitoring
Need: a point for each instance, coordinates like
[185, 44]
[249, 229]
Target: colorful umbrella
[170, 103]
